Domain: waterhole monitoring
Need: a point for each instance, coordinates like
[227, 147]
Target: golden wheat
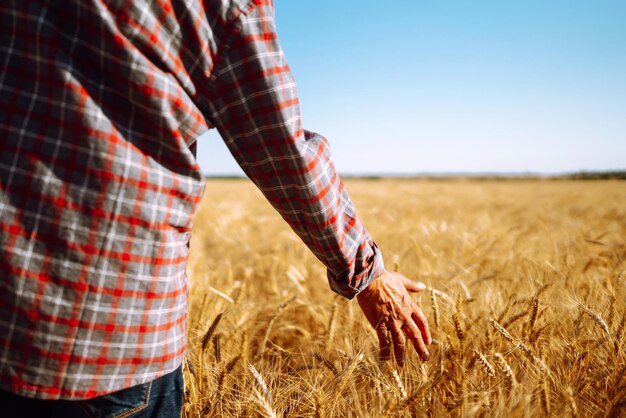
[526, 281]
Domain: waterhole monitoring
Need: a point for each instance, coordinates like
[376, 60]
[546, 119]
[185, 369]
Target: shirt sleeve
[254, 106]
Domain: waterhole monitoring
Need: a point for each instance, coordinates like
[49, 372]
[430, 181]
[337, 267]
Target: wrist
[372, 286]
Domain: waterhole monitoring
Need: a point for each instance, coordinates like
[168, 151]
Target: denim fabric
[161, 398]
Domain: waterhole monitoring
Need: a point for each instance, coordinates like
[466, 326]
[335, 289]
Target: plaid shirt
[100, 102]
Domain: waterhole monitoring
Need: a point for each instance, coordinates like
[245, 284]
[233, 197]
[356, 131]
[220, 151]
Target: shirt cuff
[349, 287]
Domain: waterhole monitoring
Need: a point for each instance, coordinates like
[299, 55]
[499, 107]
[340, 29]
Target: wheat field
[526, 304]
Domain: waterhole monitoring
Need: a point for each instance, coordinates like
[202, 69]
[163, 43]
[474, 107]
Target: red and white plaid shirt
[100, 101]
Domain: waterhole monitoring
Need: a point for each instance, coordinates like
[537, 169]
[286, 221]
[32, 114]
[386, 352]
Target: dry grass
[534, 326]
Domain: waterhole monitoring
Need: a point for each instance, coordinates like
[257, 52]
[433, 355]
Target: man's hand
[388, 306]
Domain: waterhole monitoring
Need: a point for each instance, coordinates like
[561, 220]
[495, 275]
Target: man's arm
[254, 106]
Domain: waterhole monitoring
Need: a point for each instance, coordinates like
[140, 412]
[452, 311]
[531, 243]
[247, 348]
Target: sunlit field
[526, 304]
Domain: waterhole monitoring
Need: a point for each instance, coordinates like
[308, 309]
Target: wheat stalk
[265, 396]
[217, 348]
[320, 410]
[224, 372]
[221, 294]
[238, 292]
[618, 333]
[544, 391]
[399, 384]
[331, 324]
[454, 348]
[596, 317]
[209, 333]
[487, 367]
[435, 307]
[569, 395]
[347, 372]
[501, 330]
[533, 315]
[441, 295]
[326, 362]
[514, 319]
[244, 347]
[268, 330]
[536, 360]
[611, 309]
[456, 319]
[509, 377]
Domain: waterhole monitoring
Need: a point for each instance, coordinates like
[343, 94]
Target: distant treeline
[597, 175]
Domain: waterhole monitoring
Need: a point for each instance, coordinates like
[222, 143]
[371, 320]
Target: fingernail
[426, 356]
[421, 285]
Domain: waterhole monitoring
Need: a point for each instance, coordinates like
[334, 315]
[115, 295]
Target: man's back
[98, 188]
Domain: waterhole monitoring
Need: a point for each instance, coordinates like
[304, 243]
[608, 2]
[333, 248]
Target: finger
[384, 342]
[399, 341]
[415, 336]
[413, 286]
[422, 323]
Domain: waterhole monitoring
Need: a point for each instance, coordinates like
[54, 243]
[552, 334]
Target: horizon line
[583, 174]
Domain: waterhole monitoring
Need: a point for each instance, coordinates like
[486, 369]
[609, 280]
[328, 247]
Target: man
[100, 103]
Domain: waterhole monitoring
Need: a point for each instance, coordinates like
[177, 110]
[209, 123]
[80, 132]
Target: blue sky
[456, 86]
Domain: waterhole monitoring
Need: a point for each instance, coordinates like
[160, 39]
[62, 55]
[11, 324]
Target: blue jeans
[161, 398]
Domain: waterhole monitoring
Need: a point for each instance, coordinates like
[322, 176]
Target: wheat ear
[596, 317]
[210, 331]
[435, 306]
[501, 330]
[509, 377]
[456, 318]
[487, 367]
[265, 396]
